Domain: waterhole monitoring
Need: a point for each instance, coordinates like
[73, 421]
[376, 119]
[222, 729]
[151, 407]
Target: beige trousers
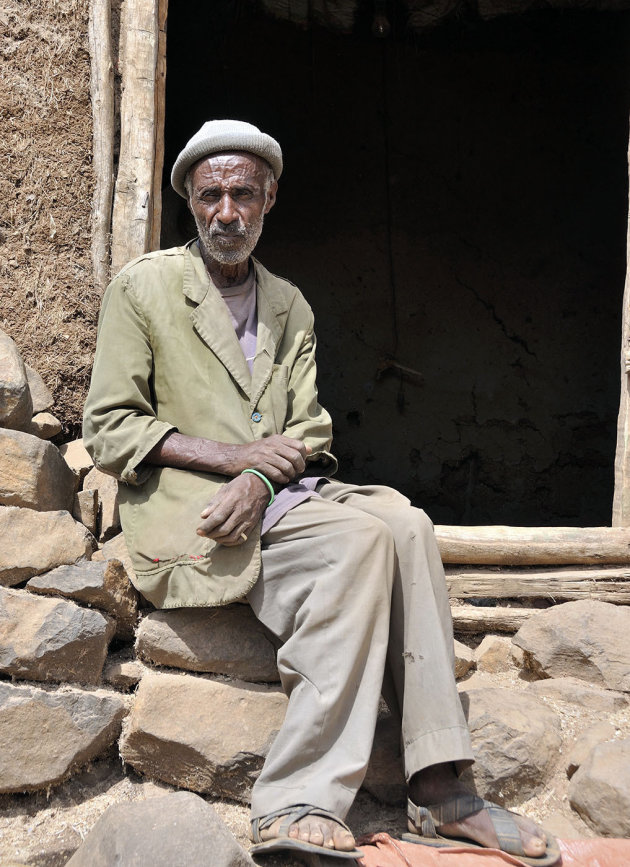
[353, 585]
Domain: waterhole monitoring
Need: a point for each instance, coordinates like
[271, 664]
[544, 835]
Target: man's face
[229, 200]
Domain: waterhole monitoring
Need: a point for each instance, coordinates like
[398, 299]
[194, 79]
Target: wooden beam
[607, 583]
[102, 96]
[472, 619]
[534, 546]
[133, 196]
[160, 105]
[621, 500]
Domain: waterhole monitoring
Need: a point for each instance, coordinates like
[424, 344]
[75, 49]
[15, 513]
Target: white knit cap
[225, 135]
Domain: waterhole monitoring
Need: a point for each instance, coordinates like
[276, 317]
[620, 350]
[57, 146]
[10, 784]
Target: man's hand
[281, 459]
[236, 508]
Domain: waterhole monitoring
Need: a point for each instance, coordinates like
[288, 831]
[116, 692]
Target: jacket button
[256, 416]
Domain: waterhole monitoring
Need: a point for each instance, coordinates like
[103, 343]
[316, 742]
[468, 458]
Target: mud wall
[455, 204]
[47, 300]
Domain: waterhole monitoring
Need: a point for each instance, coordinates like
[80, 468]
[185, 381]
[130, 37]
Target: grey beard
[245, 238]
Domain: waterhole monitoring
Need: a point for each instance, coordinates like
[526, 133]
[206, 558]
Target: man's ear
[271, 196]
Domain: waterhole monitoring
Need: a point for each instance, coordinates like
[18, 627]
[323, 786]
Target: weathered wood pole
[534, 546]
[621, 501]
[134, 212]
[102, 96]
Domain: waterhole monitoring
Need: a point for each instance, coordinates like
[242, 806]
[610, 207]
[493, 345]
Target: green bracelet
[265, 480]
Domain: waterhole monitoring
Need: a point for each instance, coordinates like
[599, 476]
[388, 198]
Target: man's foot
[439, 783]
[304, 828]
[316, 830]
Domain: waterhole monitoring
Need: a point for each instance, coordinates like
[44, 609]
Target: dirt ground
[44, 829]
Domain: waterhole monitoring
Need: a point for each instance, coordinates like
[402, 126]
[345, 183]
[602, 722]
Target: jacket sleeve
[306, 419]
[120, 426]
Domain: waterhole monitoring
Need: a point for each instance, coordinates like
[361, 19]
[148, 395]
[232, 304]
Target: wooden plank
[473, 619]
[102, 97]
[133, 195]
[534, 546]
[160, 106]
[621, 500]
[607, 583]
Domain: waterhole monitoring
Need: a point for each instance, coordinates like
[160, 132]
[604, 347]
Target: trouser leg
[419, 679]
[325, 591]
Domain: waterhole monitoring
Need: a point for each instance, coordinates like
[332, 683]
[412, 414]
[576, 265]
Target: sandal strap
[291, 816]
[429, 819]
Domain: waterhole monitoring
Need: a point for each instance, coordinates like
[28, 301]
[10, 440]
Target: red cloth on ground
[381, 850]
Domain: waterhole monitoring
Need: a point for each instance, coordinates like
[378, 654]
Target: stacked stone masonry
[191, 697]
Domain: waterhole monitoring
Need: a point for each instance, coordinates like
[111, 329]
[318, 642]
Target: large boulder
[516, 740]
[45, 735]
[100, 585]
[51, 639]
[227, 640]
[16, 405]
[600, 790]
[33, 474]
[585, 639]
[107, 487]
[34, 542]
[178, 828]
[200, 734]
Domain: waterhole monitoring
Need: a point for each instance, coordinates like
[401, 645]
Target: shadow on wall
[454, 208]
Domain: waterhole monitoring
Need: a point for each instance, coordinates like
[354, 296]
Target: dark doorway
[454, 208]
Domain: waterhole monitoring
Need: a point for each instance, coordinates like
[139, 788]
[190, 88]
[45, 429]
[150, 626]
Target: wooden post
[102, 95]
[160, 105]
[133, 196]
[533, 546]
[621, 501]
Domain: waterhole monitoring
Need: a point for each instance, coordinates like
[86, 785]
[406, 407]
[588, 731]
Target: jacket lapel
[272, 314]
[211, 319]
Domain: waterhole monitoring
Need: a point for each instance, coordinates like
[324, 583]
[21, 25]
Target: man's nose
[227, 212]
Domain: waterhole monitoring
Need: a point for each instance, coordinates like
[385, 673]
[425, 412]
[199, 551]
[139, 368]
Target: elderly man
[204, 404]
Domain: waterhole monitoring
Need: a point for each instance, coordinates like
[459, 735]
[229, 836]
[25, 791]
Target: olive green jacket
[167, 358]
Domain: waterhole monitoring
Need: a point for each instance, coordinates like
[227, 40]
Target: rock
[201, 734]
[85, 509]
[99, 585]
[116, 548]
[227, 640]
[45, 426]
[75, 455]
[494, 654]
[122, 671]
[16, 405]
[587, 741]
[464, 659]
[586, 639]
[561, 827]
[600, 790]
[516, 740]
[33, 474]
[107, 487]
[33, 542]
[385, 777]
[178, 828]
[41, 395]
[45, 735]
[579, 693]
[51, 639]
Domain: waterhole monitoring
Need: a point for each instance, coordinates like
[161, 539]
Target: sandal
[428, 819]
[283, 843]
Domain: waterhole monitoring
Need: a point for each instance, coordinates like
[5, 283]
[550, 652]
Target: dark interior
[454, 207]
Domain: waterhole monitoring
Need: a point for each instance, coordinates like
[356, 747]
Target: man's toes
[533, 845]
[343, 840]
